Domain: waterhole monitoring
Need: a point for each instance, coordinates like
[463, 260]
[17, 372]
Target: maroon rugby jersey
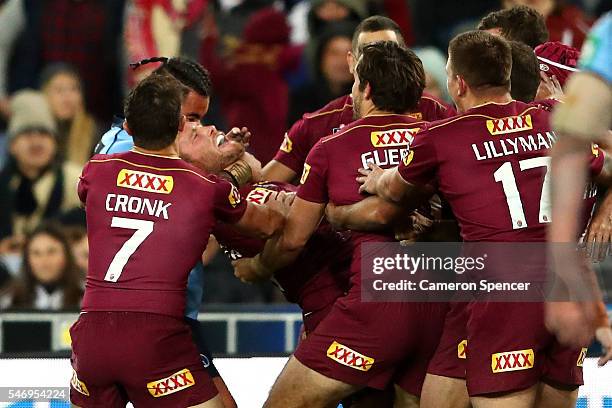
[331, 118]
[331, 168]
[148, 221]
[317, 277]
[491, 164]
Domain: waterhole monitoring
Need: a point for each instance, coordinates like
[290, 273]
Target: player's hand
[604, 336]
[281, 202]
[417, 225]
[599, 234]
[549, 88]
[369, 178]
[571, 322]
[246, 270]
[240, 135]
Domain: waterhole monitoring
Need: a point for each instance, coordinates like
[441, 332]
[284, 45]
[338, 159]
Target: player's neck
[475, 100]
[373, 111]
[169, 151]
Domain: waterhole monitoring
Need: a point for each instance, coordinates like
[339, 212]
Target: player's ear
[350, 60]
[126, 127]
[182, 123]
[367, 92]
[462, 88]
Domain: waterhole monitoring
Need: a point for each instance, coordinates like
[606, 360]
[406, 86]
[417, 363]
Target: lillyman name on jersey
[490, 149]
[137, 205]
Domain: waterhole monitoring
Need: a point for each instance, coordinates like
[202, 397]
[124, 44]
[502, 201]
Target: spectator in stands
[434, 64]
[85, 33]
[77, 130]
[50, 278]
[77, 237]
[250, 81]
[565, 22]
[33, 185]
[324, 15]
[332, 77]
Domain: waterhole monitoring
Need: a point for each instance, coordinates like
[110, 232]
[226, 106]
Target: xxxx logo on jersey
[139, 180]
[78, 384]
[581, 357]
[169, 385]
[395, 137]
[287, 145]
[462, 349]
[509, 124]
[349, 357]
[234, 197]
[259, 195]
[512, 361]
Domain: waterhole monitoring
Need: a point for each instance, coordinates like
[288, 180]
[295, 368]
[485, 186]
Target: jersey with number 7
[492, 165]
[148, 222]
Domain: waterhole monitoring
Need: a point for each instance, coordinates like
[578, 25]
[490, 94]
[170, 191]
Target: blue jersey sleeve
[597, 50]
[115, 140]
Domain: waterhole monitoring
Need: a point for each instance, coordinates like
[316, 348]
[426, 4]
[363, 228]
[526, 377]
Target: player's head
[153, 112]
[519, 23]
[479, 64]
[373, 29]
[557, 59]
[191, 75]
[388, 78]
[525, 76]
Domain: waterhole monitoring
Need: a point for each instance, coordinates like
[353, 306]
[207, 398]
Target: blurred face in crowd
[80, 249]
[544, 7]
[366, 38]
[333, 61]
[46, 258]
[33, 150]
[195, 106]
[64, 95]
[332, 11]
[432, 86]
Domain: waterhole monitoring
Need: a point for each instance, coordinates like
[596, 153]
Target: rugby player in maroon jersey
[506, 200]
[143, 208]
[353, 347]
[303, 135]
[318, 276]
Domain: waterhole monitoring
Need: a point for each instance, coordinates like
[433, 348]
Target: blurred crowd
[64, 70]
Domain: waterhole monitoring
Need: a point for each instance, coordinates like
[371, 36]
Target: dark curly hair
[188, 72]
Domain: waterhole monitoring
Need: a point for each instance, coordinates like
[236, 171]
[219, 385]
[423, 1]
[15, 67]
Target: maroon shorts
[364, 343]
[312, 318]
[509, 349]
[450, 357]
[144, 358]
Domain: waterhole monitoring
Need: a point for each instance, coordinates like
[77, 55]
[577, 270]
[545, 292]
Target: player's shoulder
[336, 106]
[513, 113]
[133, 162]
[375, 123]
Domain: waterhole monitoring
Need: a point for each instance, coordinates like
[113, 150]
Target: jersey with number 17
[148, 222]
[492, 164]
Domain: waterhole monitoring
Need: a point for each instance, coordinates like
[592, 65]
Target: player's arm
[263, 221]
[277, 171]
[391, 186]
[370, 214]
[283, 248]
